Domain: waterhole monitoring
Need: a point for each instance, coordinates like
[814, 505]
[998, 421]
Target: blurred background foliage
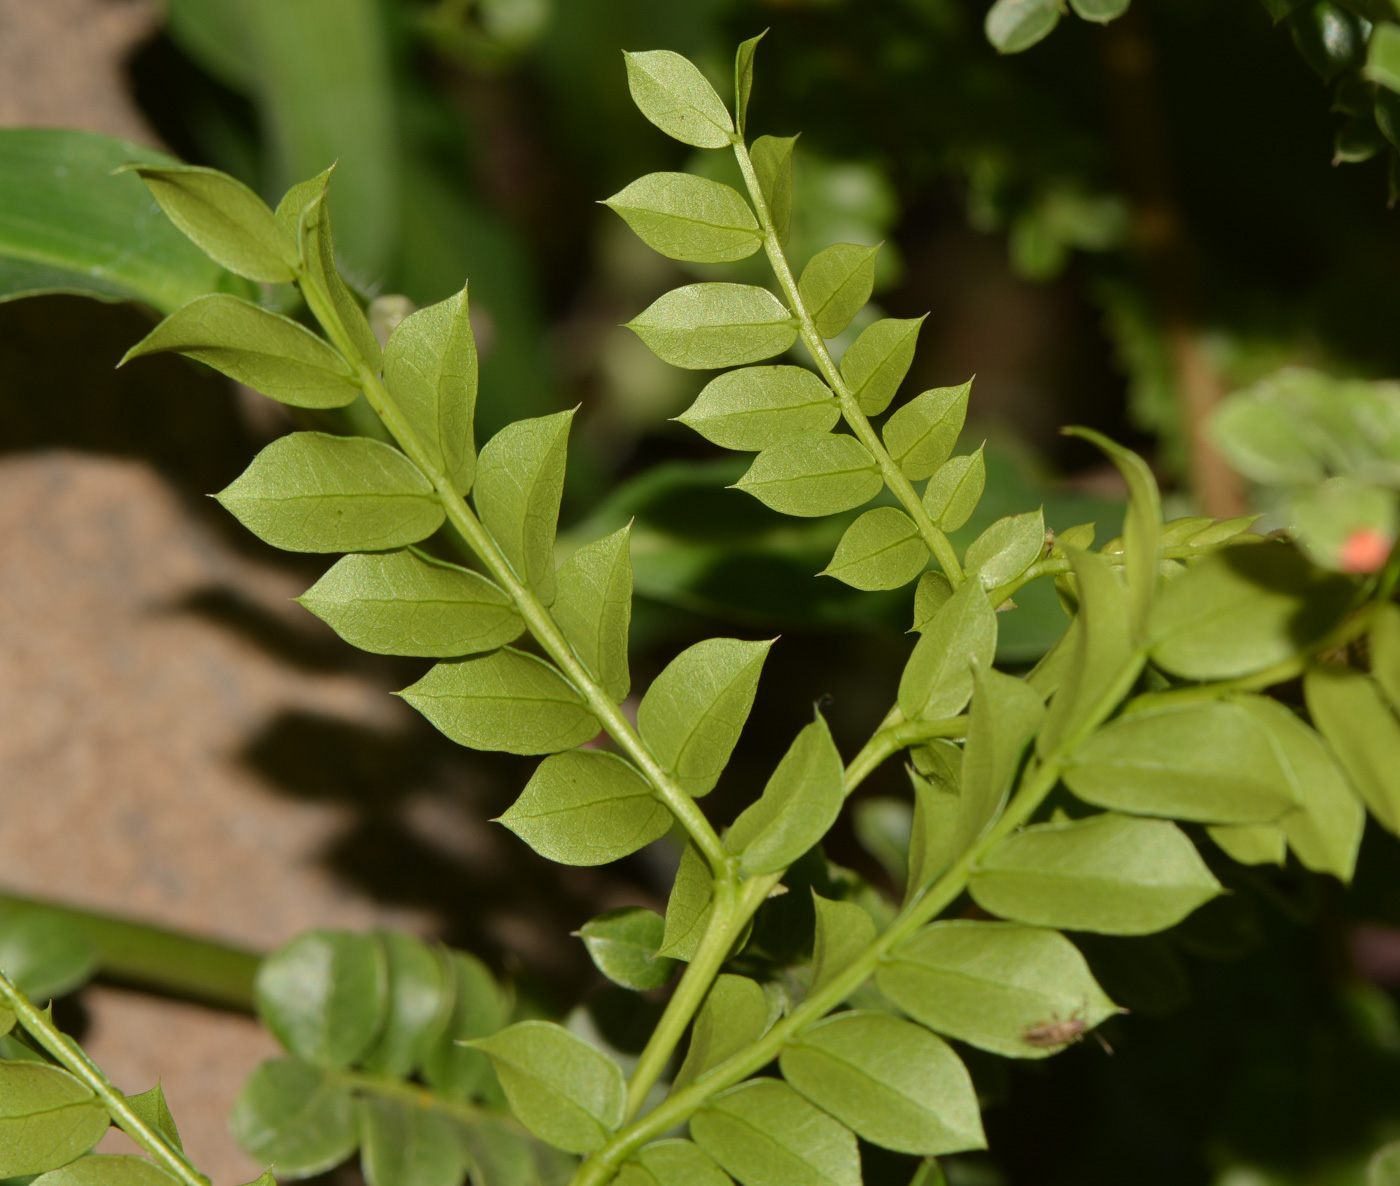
[1116, 228]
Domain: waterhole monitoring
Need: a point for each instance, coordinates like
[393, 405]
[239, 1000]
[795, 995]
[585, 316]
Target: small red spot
[1365, 550]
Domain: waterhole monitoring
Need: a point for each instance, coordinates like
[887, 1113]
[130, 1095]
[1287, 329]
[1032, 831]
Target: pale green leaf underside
[1348, 709]
[843, 931]
[878, 360]
[109, 1169]
[674, 95]
[688, 906]
[955, 490]
[672, 1163]
[835, 285]
[937, 680]
[706, 326]
[623, 944]
[880, 550]
[689, 218]
[1006, 549]
[47, 1118]
[402, 1144]
[755, 407]
[593, 607]
[920, 435]
[735, 1015]
[813, 475]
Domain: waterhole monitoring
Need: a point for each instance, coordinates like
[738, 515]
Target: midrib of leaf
[899, 485]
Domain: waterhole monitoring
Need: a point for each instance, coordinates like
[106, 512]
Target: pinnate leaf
[506, 700]
[878, 360]
[295, 1116]
[623, 945]
[325, 995]
[1348, 710]
[798, 806]
[992, 983]
[402, 1144]
[920, 436]
[735, 1015]
[880, 550]
[945, 823]
[593, 607]
[755, 407]
[813, 475]
[256, 347]
[955, 490]
[772, 165]
[937, 680]
[836, 283]
[765, 1134]
[692, 714]
[704, 326]
[408, 603]
[313, 492]
[894, 1083]
[47, 1118]
[225, 218]
[690, 218]
[585, 807]
[1109, 873]
[1006, 549]
[430, 370]
[566, 1092]
[674, 95]
[519, 482]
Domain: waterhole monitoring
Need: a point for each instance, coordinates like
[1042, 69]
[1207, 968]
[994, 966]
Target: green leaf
[836, 283]
[420, 1003]
[224, 218]
[798, 805]
[68, 225]
[920, 436]
[151, 1107]
[1006, 549]
[704, 326]
[1142, 528]
[1251, 844]
[692, 714]
[812, 475]
[955, 490]
[735, 1015]
[880, 550]
[109, 1169]
[674, 95]
[877, 361]
[593, 607]
[671, 1163]
[765, 1134]
[257, 347]
[1102, 657]
[1384, 649]
[843, 932]
[506, 700]
[1325, 831]
[313, 492]
[931, 594]
[623, 945]
[318, 258]
[1244, 609]
[325, 995]
[500, 1157]
[1005, 715]
[1383, 56]
[566, 1092]
[295, 1116]
[1384, 1167]
[409, 603]
[944, 823]
[893, 1083]
[402, 1144]
[992, 984]
[690, 218]
[743, 78]
[1210, 761]
[882, 825]
[772, 165]
[46, 957]
[1109, 873]
[1016, 25]
[479, 1008]
[688, 907]
[755, 407]
[1348, 710]
[585, 807]
[519, 482]
[1101, 11]
[937, 680]
[430, 370]
[47, 1118]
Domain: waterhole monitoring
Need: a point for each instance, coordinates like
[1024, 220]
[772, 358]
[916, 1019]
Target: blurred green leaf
[402, 1144]
[1016, 25]
[295, 1116]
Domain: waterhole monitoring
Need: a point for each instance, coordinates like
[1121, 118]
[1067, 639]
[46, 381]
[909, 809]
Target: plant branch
[69, 1055]
[899, 485]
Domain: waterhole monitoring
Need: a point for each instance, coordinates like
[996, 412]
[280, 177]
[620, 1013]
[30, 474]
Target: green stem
[899, 485]
[69, 1055]
[416, 1094]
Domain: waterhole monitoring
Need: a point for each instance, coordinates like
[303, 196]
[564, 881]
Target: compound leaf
[735, 1015]
[937, 680]
[692, 714]
[419, 980]
[772, 165]
[47, 1118]
[755, 407]
[585, 807]
[1006, 549]
[689, 218]
[402, 1144]
[519, 482]
[704, 326]
[256, 347]
[408, 603]
[1348, 710]
[920, 436]
[673, 94]
[566, 1092]
[623, 945]
[892, 1082]
[835, 285]
[506, 700]
[313, 492]
[955, 490]
[593, 607]
[878, 360]
[295, 1116]
[880, 550]
[1101, 11]
[812, 475]
[1109, 873]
